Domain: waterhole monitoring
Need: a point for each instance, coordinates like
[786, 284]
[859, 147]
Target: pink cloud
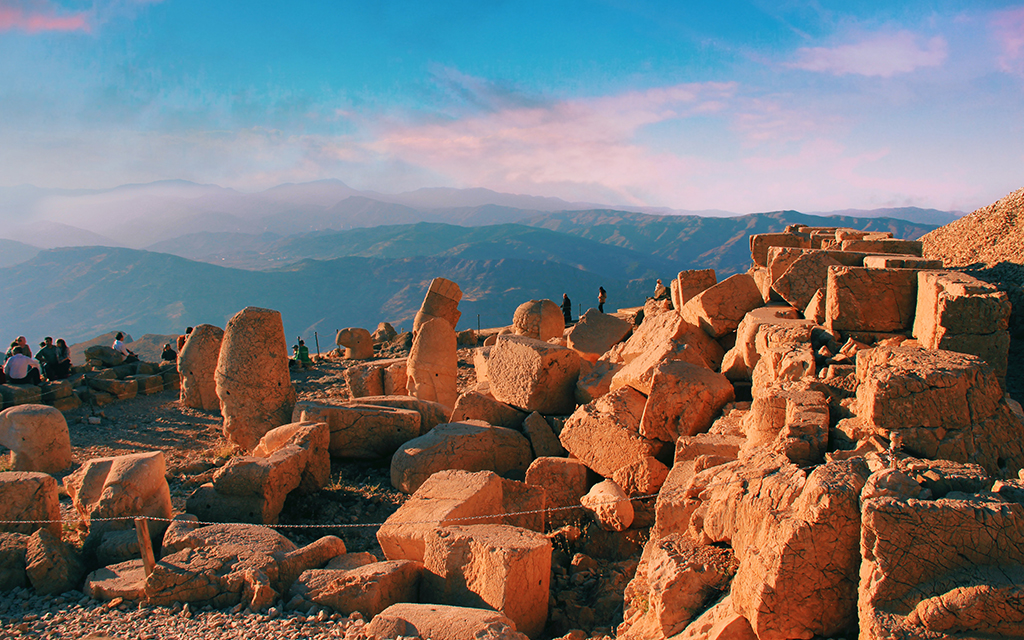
[883, 55]
[1008, 28]
[36, 16]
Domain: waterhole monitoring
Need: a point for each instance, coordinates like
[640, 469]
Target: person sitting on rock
[47, 356]
[21, 341]
[301, 352]
[169, 355]
[661, 292]
[120, 346]
[566, 309]
[63, 367]
[22, 369]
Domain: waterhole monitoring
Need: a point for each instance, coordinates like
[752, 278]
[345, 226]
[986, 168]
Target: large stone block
[253, 382]
[605, 434]
[15, 394]
[689, 283]
[470, 446]
[441, 301]
[739, 362]
[565, 482]
[720, 309]
[431, 413]
[28, 495]
[38, 438]
[542, 437]
[473, 405]
[53, 566]
[595, 333]
[534, 376]
[362, 431]
[538, 319]
[804, 276]
[442, 622]
[761, 242]
[368, 589]
[683, 401]
[874, 300]
[197, 367]
[884, 245]
[433, 363]
[501, 567]
[369, 378]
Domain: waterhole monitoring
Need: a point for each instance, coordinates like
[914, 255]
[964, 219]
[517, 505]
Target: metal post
[317, 340]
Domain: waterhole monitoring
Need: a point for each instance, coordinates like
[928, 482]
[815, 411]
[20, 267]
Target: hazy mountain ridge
[12, 252]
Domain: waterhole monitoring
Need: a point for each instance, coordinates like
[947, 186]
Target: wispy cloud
[1008, 28]
[883, 54]
[36, 16]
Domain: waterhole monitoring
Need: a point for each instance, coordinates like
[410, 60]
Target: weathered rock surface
[564, 480]
[875, 300]
[442, 622]
[664, 337]
[542, 438]
[683, 400]
[253, 383]
[362, 431]
[29, 495]
[534, 376]
[52, 566]
[719, 309]
[38, 438]
[441, 301]
[473, 405]
[609, 505]
[197, 367]
[356, 341]
[538, 319]
[368, 589]
[595, 333]
[433, 363]
[804, 276]
[690, 283]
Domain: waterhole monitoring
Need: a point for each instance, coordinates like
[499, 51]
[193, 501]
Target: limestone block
[314, 437]
[433, 363]
[668, 337]
[38, 438]
[505, 568]
[442, 622]
[441, 301]
[172, 380]
[129, 485]
[222, 575]
[15, 394]
[881, 261]
[719, 622]
[383, 333]
[362, 431]
[29, 495]
[368, 589]
[120, 389]
[802, 279]
[366, 379]
[253, 382]
[993, 348]
[605, 434]
[639, 373]
[354, 560]
[480, 357]
[955, 303]
[739, 362]
[470, 446]
[53, 567]
[609, 505]
[943, 404]
[125, 580]
[965, 580]
[672, 584]
[447, 497]
[473, 405]
[55, 390]
[708, 444]
[689, 283]
[858, 299]
[684, 400]
[595, 381]
[292, 564]
[815, 310]
[885, 245]
[12, 561]
[565, 481]
[542, 438]
[197, 366]
[357, 342]
[148, 384]
[760, 242]
[534, 376]
[720, 309]
[431, 413]
[595, 333]
[396, 378]
[538, 319]
[108, 356]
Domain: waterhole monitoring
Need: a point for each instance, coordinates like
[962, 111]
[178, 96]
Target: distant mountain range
[322, 281]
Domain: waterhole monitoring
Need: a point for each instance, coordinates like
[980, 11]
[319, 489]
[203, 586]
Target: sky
[750, 106]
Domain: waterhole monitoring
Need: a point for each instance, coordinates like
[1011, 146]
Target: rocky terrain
[822, 447]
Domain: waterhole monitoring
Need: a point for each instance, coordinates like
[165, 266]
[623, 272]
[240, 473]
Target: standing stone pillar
[433, 363]
[441, 301]
[197, 365]
[253, 383]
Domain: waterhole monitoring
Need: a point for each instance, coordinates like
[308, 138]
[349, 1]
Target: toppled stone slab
[683, 400]
[595, 333]
[804, 276]
[52, 565]
[125, 580]
[542, 438]
[534, 376]
[690, 283]
[368, 589]
[473, 405]
[442, 622]
[362, 431]
[377, 378]
[470, 446]
[739, 362]
[38, 438]
[564, 480]
[875, 300]
[719, 309]
[885, 245]
[761, 242]
[28, 495]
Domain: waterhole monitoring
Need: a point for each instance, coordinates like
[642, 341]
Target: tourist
[120, 346]
[20, 342]
[182, 338]
[22, 369]
[660, 291]
[47, 356]
[63, 367]
[301, 352]
[566, 309]
[169, 354]
[602, 295]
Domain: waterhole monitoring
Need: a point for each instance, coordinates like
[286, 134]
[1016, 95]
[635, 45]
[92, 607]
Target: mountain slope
[12, 252]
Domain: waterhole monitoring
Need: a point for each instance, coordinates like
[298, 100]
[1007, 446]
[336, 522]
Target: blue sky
[743, 106]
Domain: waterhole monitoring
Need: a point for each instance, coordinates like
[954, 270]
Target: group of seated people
[52, 362]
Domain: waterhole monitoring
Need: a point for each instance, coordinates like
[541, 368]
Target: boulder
[456, 496]
[121, 487]
[442, 622]
[470, 446]
[441, 301]
[719, 309]
[107, 356]
[605, 434]
[683, 400]
[542, 438]
[15, 394]
[357, 342]
[362, 431]
[52, 565]
[253, 382]
[642, 477]
[804, 276]
[147, 384]
[506, 568]
[595, 381]
[383, 333]
[538, 319]
[761, 242]
[12, 561]
[377, 378]
[875, 300]
[664, 337]
[791, 420]
[609, 505]
[473, 405]
[125, 580]
[368, 589]
[565, 482]
[739, 362]
[533, 376]
[433, 363]
[690, 283]
[719, 622]
[197, 367]
[38, 438]
[595, 333]
[29, 495]
[120, 389]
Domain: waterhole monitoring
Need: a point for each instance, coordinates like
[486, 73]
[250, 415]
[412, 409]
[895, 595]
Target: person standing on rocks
[602, 296]
[183, 337]
[566, 309]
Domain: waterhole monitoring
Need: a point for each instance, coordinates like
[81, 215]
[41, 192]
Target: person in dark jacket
[566, 309]
[602, 295]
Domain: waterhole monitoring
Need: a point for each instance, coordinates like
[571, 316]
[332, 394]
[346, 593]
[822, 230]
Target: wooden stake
[145, 544]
